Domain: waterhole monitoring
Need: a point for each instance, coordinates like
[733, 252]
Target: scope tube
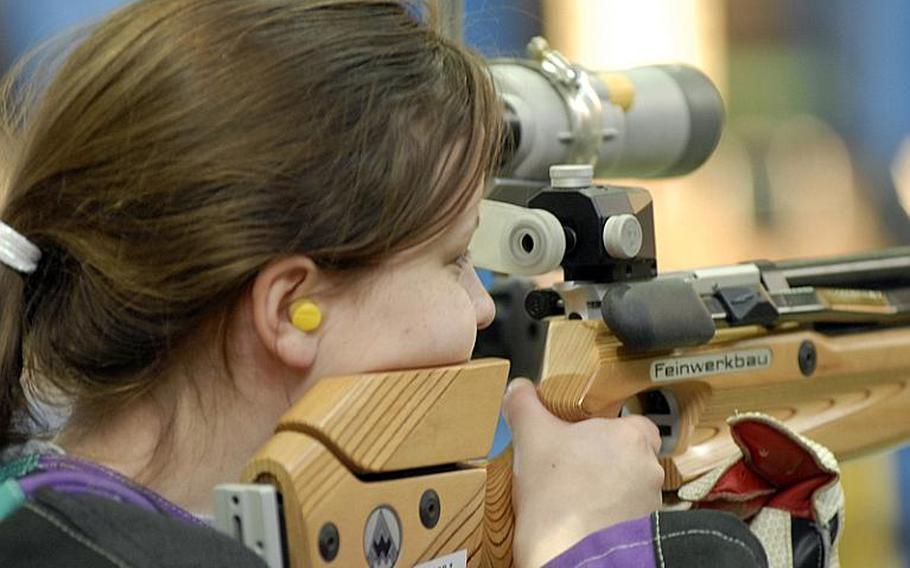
[653, 121]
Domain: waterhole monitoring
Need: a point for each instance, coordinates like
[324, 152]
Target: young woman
[189, 174]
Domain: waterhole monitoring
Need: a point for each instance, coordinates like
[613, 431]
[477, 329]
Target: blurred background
[814, 160]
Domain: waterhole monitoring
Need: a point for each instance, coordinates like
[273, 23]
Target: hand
[572, 479]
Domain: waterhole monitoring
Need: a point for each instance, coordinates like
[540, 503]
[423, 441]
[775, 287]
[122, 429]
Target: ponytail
[19, 258]
[13, 406]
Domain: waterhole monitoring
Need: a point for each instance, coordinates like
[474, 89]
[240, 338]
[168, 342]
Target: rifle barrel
[888, 268]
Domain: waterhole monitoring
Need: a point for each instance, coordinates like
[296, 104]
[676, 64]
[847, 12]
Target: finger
[648, 430]
[524, 412]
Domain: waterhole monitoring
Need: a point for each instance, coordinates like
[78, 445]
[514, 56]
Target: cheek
[448, 327]
[462, 329]
[425, 326]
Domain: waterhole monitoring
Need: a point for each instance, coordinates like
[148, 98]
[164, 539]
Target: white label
[681, 368]
[455, 560]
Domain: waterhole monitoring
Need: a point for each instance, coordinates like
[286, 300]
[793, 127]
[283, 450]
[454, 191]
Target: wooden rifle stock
[853, 395]
[354, 445]
[848, 391]
[398, 445]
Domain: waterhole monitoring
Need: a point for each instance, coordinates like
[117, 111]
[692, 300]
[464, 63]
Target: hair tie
[16, 251]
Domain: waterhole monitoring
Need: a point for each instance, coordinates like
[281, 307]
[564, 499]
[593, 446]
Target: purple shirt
[627, 545]
[74, 475]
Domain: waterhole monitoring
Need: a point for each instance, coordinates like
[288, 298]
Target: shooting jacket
[62, 511]
[57, 510]
[671, 539]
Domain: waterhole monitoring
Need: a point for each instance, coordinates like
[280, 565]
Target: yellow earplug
[305, 315]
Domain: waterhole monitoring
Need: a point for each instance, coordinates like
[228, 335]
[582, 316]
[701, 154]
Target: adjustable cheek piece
[305, 315]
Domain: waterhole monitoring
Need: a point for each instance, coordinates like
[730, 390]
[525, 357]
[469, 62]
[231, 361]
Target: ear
[274, 290]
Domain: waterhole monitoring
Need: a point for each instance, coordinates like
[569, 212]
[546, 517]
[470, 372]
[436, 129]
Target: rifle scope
[654, 121]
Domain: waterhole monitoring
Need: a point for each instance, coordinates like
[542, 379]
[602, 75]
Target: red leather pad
[775, 471]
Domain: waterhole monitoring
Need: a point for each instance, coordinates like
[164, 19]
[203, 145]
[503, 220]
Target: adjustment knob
[571, 177]
[542, 304]
[623, 236]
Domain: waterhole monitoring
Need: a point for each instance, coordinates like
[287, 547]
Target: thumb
[524, 412]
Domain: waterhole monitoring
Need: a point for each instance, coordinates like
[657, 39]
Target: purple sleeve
[626, 545]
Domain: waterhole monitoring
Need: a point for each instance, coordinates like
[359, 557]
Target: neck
[178, 444]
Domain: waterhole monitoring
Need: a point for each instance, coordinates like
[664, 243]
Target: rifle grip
[498, 516]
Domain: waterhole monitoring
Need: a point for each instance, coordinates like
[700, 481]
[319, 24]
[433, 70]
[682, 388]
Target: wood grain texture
[571, 362]
[317, 489]
[498, 521]
[334, 451]
[394, 421]
[856, 400]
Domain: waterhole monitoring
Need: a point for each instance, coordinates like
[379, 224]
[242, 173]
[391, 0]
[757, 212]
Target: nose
[486, 310]
[484, 307]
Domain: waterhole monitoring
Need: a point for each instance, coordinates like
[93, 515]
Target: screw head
[430, 508]
[571, 176]
[329, 542]
[623, 236]
[808, 358]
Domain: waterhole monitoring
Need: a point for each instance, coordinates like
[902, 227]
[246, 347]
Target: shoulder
[62, 529]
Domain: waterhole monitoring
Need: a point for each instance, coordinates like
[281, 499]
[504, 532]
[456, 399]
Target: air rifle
[387, 469]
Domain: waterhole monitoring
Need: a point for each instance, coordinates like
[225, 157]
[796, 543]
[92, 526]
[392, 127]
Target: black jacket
[54, 529]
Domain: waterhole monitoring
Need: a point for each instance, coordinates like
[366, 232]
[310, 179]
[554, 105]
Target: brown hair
[183, 144]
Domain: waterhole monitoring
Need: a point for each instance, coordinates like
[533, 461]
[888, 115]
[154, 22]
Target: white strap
[16, 251]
